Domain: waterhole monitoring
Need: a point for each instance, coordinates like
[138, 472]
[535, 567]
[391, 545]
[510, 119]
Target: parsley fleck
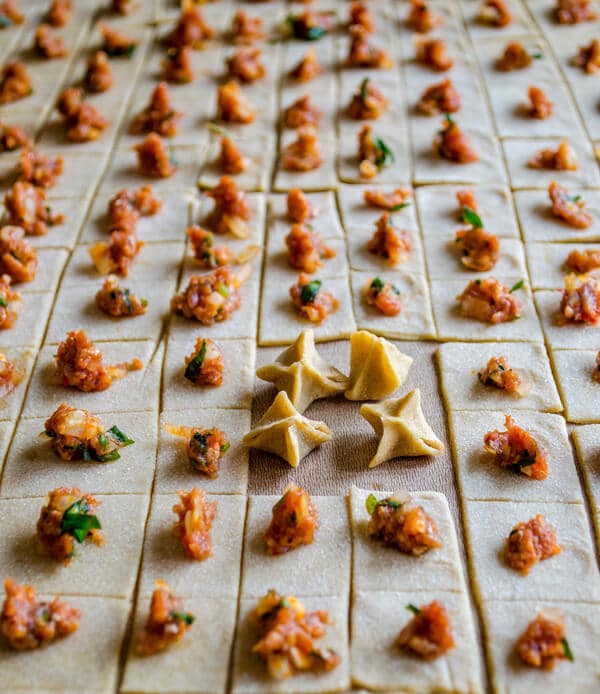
[517, 286]
[385, 155]
[309, 292]
[399, 206]
[413, 608]
[186, 617]
[567, 650]
[3, 302]
[192, 370]
[471, 217]
[78, 522]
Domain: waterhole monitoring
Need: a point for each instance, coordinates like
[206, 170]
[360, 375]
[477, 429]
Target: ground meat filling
[8, 315]
[207, 255]
[232, 105]
[119, 302]
[467, 202]
[530, 542]
[495, 13]
[389, 242]
[421, 18]
[515, 57]
[311, 301]
[67, 517]
[246, 65]
[588, 57]
[153, 157]
[117, 256]
[434, 54]
[195, 518]
[10, 14]
[126, 207]
[15, 83]
[231, 210]
[25, 207]
[384, 296]
[115, 44]
[204, 447]
[393, 201]
[38, 168]
[79, 364]
[307, 69]
[231, 159]
[479, 249]
[83, 121]
[209, 298]
[569, 208]
[303, 154]
[294, 522]
[288, 633]
[10, 376]
[124, 7]
[543, 642]
[583, 262]
[177, 66]
[574, 11]
[98, 74]
[302, 112]
[306, 248]
[368, 102]
[191, 30]
[362, 54]
[359, 15]
[516, 450]
[159, 116]
[580, 302]
[373, 153]
[452, 144]
[299, 209]
[204, 366]
[18, 258]
[540, 105]
[12, 137]
[428, 635]
[47, 45]
[499, 374]
[563, 158]
[310, 25]
[166, 624]
[441, 97]
[246, 29]
[28, 624]
[59, 14]
[489, 301]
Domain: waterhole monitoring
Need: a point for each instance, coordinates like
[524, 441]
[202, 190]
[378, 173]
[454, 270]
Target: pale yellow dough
[282, 430]
[377, 367]
[402, 429]
[303, 374]
[580, 392]
[561, 335]
[547, 262]
[587, 445]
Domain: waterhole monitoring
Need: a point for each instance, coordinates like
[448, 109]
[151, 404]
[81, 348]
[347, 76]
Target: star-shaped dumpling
[285, 432]
[303, 374]
[402, 428]
[377, 367]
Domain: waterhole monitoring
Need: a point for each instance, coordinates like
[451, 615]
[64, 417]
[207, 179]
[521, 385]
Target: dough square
[444, 261]
[280, 322]
[488, 524]
[539, 224]
[167, 225]
[569, 335]
[67, 661]
[376, 567]
[460, 363]
[32, 467]
[357, 214]
[32, 315]
[79, 308]
[587, 447]
[108, 571]
[321, 178]
[22, 358]
[481, 479]
[506, 621]
[137, 390]
[307, 570]
[47, 276]
[451, 27]
[580, 393]
[174, 470]
[238, 376]
[250, 674]
[156, 262]
[454, 326]
[414, 321]
[520, 24]
[439, 213]
[378, 618]
[256, 223]
[278, 255]
[519, 151]
[547, 262]
[198, 664]
[62, 235]
[387, 81]
[219, 575]
[326, 223]
[363, 259]
[322, 92]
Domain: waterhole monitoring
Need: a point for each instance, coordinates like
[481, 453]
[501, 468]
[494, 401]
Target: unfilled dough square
[137, 390]
[481, 479]
[32, 467]
[174, 470]
[108, 571]
[489, 523]
[580, 393]
[321, 568]
[587, 445]
[506, 621]
[22, 358]
[250, 674]
[376, 567]
[460, 362]
[378, 618]
[563, 335]
[357, 214]
[238, 376]
[547, 262]
[218, 575]
[198, 664]
[454, 326]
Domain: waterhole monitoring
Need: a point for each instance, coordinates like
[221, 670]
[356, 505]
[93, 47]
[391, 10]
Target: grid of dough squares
[138, 491]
